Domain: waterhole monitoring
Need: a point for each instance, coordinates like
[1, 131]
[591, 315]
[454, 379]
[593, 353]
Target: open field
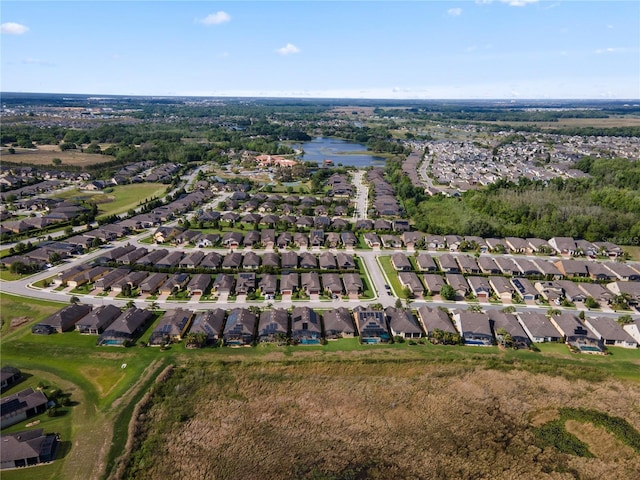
[44, 155]
[372, 416]
[611, 122]
[118, 199]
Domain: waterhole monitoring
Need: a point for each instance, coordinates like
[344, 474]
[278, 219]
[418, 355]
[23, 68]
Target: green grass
[12, 306]
[9, 276]
[391, 275]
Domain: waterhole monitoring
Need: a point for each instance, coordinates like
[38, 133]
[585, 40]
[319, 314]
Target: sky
[482, 49]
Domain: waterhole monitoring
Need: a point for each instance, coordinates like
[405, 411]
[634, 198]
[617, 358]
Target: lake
[339, 151]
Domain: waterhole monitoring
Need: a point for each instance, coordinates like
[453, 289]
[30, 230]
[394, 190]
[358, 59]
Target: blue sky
[360, 49]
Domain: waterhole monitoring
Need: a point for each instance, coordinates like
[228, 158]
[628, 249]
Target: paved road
[362, 196]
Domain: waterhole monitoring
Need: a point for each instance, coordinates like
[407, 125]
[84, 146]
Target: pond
[339, 151]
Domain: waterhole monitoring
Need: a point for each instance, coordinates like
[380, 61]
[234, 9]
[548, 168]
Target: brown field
[372, 418]
[44, 155]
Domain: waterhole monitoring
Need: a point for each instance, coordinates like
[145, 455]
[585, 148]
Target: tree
[624, 320]
[475, 308]
[504, 338]
[153, 306]
[398, 303]
[57, 161]
[74, 300]
[129, 304]
[448, 292]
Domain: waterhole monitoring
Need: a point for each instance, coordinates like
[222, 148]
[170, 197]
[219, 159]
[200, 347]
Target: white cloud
[518, 3]
[288, 49]
[11, 28]
[36, 61]
[600, 51]
[215, 18]
[455, 12]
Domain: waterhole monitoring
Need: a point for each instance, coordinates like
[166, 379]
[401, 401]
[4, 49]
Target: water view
[338, 151]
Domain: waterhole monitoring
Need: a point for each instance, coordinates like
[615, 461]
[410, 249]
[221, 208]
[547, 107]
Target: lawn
[392, 276]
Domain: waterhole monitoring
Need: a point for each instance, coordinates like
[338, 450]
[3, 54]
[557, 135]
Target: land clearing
[45, 154]
[611, 122]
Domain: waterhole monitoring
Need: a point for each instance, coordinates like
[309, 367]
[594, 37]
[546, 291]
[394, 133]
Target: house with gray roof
[372, 325]
[209, 322]
[538, 327]
[434, 283]
[251, 261]
[273, 325]
[95, 322]
[126, 328]
[480, 288]
[19, 406]
[426, 263]
[153, 257]
[104, 283]
[289, 259]
[525, 289]
[488, 266]
[576, 334]
[305, 326]
[232, 261]
[411, 281]
[332, 283]
[502, 288]
[474, 328]
[27, 448]
[192, 260]
[239, 327]
[353, 284]
[212, 260]
[268, 284]
[310, 283]
[152, 283]
[338, 323]
[223, 283]
[171, 328]
[327, 261]
[61, 321]
[435, 319]
[610, 332]
[133, 279]
[403, 323]
[245, 283]
[509, 322]
[199, 284]
[401, 263]
[448, 263]
[289, 283]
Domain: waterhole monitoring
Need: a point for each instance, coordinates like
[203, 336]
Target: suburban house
[572, 268]
[271, 259]
[468, 264]
[527, 267]
[509, 322]
[507, 266]
[273, 325]
[171, 260]
[232, 261]
[434, 283]
[596, 291]
[327, 261]
[599, 272]
[458, 282]
[61, 321]
[632, 289]
[488, 266]
[474, 328]
[352, 284]
[104, 283]
[401, 263]
[633, 329]
[538, 327]
[289, 283]
[448, 263]
[152, 283]
[305, 326]
[27, 448]
[332, 284]
[435, 319]
[565, 246]
[289, 259]
[19, 406]
[268, 284]
[480, 288]
[338, 323]
[63, 277]
[223, 283]
[251, 261]
[426, 263]
[403, 323]
[411, 281]
[133, 256]
[372, 240]
[174, 284]
[232, 239]
[391, 241]
[171, 328]
[345, 261]
[623, 271]
[308, 260]
[571, 291]
[88, 276]
[525, 289]
[9, 376]
[133, 279]
[575, 334]
[503, 288]
[126, 327]
[372, 325]
[192, 260]
[212, 260]
[610, 332]
[153, 257]
[199, 284]
[239, 328]
[98, 319]
[348, 239]
[209, 322]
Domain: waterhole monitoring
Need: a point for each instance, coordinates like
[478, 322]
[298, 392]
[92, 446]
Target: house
[391, 241]
[152, 283]
[95, 322]
[372, 240]
[502, 288]
[571, 291]
[9, 376]
[550, 291]
[289, 260]
[239, 328]
[345, 261]
[132, 257]
[488, 266]
[338, 323]
[174, 284]
[251, 238]
[575, 334]
[88, 276]
[448, 263]
[453, 242]
[232, 239]
[246, 283]
[474, 328]
[199, 284]
[27, 448]
[308, 261]
[411, 281]
[372, 325]
[250, 261]
[69, 273]
[352, 284]
[305, 326]
[232, 261]
[623, 271]
[527, 267]
[192, 260]
[435, 319]
[171, 328]
[288, 283]
[348, 239]
[61, 321]
[316, 238]
[517, 245]
[633, 329]
[105, 283]
[610, 332]
[572, 268]
[426, 263]
[19, 406]
[565, 246]
[133, 280]
[434, 282]
[209, 322]
[596, 291]
[332, 284]
[480, 288]
[327, 261]
[628, 289]
[525, 289]
[283, 240]
[507, 266]
[212, 260]
[403, 323]
[364, 224]
[599, 272]
[468, 264]
[508, 322]
[166, 234]
[300, 240]
[268, 238]
[268, 284]
[171, 260]
[223, 284]
[153, 257]
[401, 263]
[310, 283]
[435, 242]
[496, 245]
[548, 269]
[459, 283]
[538, 327]
[382, 224]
